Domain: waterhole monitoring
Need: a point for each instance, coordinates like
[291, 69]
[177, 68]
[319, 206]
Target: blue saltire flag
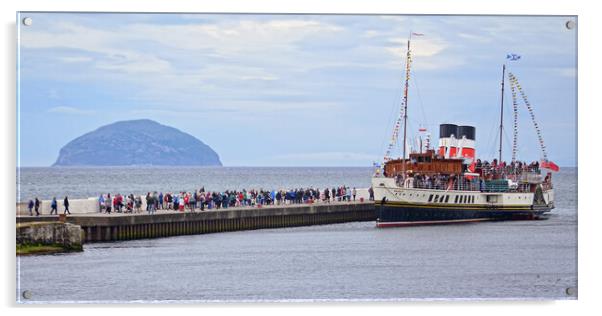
[512, 57]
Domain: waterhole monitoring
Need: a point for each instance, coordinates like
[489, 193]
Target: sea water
[351, 261]
[46, 182]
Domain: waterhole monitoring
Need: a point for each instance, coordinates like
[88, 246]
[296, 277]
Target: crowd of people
[440, 182]
[485, 181]
[53, 206]
[202, 199]
[495, 170]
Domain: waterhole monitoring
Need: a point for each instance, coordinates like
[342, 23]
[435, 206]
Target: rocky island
[137, 143]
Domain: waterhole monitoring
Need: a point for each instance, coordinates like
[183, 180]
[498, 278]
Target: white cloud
[226, 38]
[135, 63]
[329, 157]
[234, 106]
[114, 47]
[426, 54]
[70, 110]
[237, 58]
[231, 72]
[75, 59]
[175, 57]
[420, 46]
[476, 37]
[370, 33]
[570, 72]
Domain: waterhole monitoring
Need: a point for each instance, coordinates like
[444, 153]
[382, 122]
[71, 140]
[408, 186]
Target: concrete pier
[104, 227]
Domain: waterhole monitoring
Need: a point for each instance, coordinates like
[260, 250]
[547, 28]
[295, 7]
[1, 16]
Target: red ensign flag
[549, 165]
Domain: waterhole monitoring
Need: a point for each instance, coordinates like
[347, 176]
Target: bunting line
[514, 81]
[515, 126]
[397, 125]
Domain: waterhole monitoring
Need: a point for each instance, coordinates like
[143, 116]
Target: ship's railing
[506, 170]
[474, 184]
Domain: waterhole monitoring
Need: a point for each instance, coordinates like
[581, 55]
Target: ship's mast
[405, 105]
[502, 112]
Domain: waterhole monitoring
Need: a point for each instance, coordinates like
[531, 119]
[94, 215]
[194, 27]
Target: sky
[294, 90]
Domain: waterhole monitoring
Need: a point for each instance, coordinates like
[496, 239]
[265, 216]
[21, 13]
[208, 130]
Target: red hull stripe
[416, 223]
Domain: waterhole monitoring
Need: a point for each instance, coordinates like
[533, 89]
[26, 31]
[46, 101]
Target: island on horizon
[134, 143]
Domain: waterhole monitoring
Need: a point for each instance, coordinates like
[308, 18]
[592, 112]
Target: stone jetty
[120, 226]
[48, 237]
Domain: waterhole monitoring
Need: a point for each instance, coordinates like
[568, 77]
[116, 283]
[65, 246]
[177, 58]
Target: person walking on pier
[149, 202]
[101, 203]
[30, 207]
[116, 204]
[53, 206]
[108, 203]
[129, 203]
[354, 192]
[160, 200]
[182, 202]
[155, 202]
[119, 199]
[186, 198]
[176, 202]
[66, 204]
[37, 206]
[138, 203]
[202, 201]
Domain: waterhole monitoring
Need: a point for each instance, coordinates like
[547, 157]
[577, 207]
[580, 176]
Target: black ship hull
[396, 214]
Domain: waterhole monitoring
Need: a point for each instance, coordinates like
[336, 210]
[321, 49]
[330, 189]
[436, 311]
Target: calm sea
[90, 182]
[352, 261]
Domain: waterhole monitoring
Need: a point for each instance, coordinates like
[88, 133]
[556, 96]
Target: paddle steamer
[449, 185]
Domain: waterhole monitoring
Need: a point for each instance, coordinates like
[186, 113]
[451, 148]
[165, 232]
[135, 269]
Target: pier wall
[67, 236]
[126, 227]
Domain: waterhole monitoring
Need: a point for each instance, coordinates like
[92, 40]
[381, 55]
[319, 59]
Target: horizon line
[222, 166]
